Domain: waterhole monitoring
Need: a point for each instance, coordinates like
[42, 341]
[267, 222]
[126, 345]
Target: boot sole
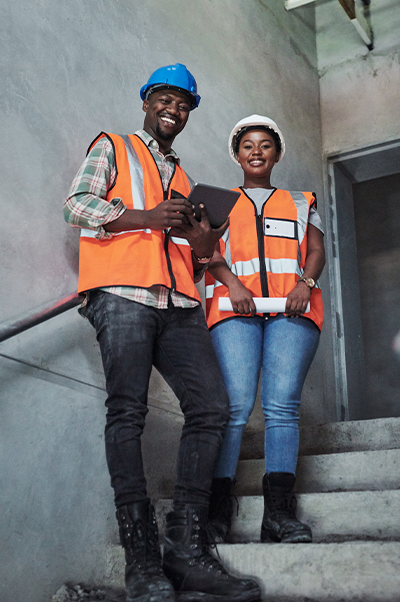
[304, 538]
[297, 539]
[252, 596]
[159, 597]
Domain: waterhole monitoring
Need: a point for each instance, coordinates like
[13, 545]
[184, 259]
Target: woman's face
[257, 154]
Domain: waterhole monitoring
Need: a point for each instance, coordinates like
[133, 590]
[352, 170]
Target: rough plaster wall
[70, 70]
[359, 88]
[360, 107]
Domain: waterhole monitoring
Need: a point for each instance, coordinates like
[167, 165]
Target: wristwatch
[310, 282]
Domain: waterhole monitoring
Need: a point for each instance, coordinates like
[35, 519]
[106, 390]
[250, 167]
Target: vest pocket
[282, 228]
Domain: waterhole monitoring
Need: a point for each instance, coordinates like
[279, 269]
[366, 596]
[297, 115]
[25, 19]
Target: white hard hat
[252, 121]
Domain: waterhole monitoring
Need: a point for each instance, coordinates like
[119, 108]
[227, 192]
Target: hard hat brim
[146, 91]
[176, 77]
[254, 121]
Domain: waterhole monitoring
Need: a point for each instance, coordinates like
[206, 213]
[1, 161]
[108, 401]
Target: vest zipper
[261, 244]
[167, 237]
[171, 274]
[261, 255]
[166, 232]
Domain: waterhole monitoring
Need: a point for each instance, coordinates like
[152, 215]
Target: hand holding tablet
[219, 202]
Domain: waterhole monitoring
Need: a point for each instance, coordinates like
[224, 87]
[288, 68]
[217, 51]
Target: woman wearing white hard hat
[272, 248]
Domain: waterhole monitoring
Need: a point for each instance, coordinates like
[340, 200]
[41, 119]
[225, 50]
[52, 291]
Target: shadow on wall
[71, 249]
[396, 345]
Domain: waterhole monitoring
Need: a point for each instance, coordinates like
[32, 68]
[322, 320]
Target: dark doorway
[363, 249]
[377, 225]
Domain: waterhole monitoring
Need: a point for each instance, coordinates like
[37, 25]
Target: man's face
[167, 112]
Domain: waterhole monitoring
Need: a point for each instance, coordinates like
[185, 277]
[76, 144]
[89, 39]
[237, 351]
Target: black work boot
[221, 509]
[195, 574]
[144, 577]
[279, 520]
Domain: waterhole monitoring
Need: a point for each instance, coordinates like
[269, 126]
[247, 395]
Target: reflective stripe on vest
[303, 210]
[136, 172]
[285, 222]
[251, 267]
[141, 257]
[136, 176]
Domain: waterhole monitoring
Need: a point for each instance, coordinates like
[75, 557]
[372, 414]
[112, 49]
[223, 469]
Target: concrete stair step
[353, 515]
[344, 516]
[341, 572]
[355, 435]
[336, 437]
[348, 495]
[351, 471]
[345, 572]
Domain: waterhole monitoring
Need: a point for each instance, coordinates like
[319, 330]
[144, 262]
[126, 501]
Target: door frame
[342, 170]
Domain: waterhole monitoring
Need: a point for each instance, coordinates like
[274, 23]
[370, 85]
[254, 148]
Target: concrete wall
[360, 116]
[359, 89]
[70, 70]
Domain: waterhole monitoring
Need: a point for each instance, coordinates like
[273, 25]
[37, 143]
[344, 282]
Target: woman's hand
[241, 298]
[297, 299]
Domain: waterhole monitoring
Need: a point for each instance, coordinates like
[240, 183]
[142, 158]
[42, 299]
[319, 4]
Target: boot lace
[203, 559]
[144, 550]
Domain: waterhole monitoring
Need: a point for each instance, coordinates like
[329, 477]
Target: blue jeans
[283, 348]
[133, 337]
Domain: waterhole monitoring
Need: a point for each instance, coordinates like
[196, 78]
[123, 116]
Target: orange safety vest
[140, 258]
[266, 252]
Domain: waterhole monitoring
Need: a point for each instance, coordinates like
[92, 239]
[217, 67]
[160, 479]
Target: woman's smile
[257, 156]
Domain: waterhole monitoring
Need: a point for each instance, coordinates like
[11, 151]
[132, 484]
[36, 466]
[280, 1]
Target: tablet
[219, 202]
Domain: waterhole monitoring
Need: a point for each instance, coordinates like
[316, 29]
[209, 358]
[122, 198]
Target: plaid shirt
[86, 207]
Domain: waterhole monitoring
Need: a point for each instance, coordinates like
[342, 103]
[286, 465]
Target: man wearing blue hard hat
[138, 274]
[175, 77]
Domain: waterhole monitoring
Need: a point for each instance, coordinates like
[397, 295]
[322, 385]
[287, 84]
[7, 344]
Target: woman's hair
[270, 131]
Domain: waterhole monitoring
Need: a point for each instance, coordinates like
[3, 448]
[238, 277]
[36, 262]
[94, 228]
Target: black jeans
[133, 337]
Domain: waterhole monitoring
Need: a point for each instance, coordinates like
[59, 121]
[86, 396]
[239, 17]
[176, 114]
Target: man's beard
[164, 135]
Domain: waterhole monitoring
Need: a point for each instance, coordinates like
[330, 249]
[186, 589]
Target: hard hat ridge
[172, 76]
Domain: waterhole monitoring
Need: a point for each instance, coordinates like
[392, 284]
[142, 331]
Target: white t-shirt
[260, 195]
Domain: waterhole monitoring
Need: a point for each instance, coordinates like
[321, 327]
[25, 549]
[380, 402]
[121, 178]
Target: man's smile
[168, 120]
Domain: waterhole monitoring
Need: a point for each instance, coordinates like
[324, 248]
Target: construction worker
[273, 248]
[141, 250]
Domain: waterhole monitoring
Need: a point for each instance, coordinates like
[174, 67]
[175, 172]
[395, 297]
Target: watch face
[310, 282]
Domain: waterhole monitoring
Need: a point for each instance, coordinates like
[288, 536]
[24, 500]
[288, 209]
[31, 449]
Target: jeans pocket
[89, 310]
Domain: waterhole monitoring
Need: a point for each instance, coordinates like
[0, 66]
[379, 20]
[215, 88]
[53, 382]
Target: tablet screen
[219, 202]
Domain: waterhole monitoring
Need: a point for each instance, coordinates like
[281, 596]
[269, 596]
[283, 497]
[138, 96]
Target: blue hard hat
[172, 76]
